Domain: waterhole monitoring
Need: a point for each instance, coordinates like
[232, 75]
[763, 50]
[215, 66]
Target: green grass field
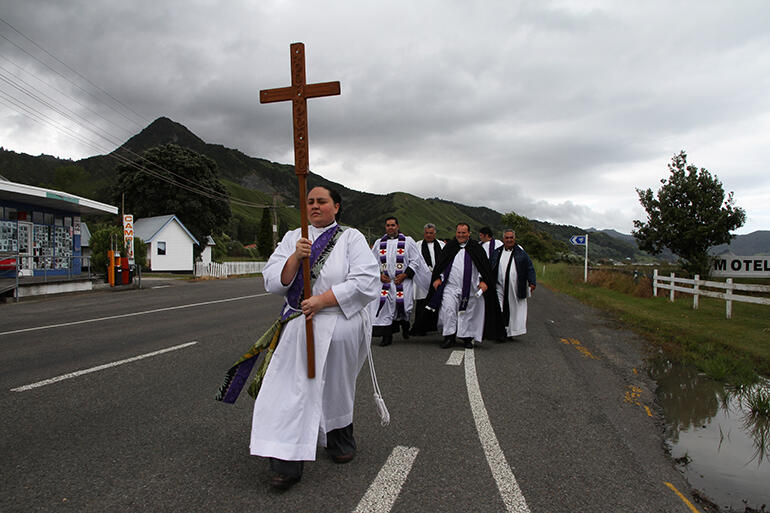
[726, 349]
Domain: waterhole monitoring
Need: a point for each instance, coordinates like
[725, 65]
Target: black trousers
[383, 331]
[338, 442]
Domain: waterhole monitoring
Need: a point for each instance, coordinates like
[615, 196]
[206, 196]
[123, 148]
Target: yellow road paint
[684, 499]
[647, 409]
[580, 347]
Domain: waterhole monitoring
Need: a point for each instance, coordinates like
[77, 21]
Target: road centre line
[506, 482]
[145, 312]
[456, 358]
[384, 490]
[99, 367]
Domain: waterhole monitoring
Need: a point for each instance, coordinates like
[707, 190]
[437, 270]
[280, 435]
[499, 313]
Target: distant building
[42, 228]
[169, 243]
[206, 253]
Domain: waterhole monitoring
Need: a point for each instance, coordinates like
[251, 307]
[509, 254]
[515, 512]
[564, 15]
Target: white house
[169, 243]
[206, 253]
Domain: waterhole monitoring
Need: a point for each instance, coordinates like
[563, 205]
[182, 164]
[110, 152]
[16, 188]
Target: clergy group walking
[466, 290]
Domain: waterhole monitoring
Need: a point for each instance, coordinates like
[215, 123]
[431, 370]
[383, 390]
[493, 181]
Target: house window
[161, 248]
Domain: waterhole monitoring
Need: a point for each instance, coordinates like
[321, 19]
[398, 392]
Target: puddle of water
[720, 447]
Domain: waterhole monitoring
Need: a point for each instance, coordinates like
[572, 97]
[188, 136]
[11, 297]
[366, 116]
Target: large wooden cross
[298, 93]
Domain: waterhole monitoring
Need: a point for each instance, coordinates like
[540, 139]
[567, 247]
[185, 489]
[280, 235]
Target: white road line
[456, 358]
[160, 286]
[506, 482]
[384, 490]
[85, 321]
[98, 368]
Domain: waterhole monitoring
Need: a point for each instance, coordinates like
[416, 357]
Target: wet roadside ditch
[716, 441]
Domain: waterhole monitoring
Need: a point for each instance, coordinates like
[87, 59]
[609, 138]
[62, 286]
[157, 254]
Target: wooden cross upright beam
[298, 93]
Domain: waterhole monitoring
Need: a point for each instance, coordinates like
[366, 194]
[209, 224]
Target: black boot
[386, 340]
[405, 329]
[449, 341]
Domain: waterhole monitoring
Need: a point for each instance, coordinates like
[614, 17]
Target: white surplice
[517, 320]
[412, 259]
[293, 413]
[470, 322]
[422, 292]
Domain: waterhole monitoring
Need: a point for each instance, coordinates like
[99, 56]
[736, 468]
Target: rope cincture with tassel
[382, 410]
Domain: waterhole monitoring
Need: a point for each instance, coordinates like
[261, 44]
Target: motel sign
[757, 266]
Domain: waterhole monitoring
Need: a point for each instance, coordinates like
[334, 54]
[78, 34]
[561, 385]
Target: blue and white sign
[578, 240]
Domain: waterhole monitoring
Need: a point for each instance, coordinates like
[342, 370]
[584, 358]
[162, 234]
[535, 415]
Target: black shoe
[449, 341]
[405, 330]
[468, 344]
[386, 340]
[283, 482]
[344, 458]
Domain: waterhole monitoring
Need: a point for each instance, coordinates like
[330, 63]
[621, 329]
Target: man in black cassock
[463, 292]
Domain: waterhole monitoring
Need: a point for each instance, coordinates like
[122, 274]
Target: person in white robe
[293, 413]
[488, 241]
[463, 291]
[430, 249]
[402, 268]
[515, 283]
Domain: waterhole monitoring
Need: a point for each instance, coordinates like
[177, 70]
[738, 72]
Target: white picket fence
[225, 269]
[694, 285]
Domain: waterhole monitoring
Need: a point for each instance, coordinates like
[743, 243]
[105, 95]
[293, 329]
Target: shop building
[41, 228]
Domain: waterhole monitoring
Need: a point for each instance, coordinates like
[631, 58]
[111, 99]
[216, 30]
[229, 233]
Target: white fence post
[728, 298]
[655, 283]
[672, 287]
[695, 288]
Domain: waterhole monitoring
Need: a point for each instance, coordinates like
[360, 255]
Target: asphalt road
[567, 406]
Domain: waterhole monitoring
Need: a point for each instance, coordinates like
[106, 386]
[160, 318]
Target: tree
[688, 215]
[154, 190]
[538, 245]
[265, 238]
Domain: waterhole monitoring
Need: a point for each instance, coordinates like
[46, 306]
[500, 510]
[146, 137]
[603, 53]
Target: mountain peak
[164, 131]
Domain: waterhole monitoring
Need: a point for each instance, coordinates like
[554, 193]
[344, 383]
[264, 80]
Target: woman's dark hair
[335, 196]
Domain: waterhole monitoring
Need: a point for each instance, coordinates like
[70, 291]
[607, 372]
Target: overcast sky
[555, 110]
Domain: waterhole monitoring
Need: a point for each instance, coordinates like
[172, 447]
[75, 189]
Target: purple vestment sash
[466, 293]
[236, 376]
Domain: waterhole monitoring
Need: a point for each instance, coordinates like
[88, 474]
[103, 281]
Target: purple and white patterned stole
[491, 248]
[400, 268]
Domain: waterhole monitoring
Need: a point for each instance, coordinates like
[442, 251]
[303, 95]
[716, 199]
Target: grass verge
[734, 350]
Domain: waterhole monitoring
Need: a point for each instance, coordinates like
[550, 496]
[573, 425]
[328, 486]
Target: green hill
[262, 182]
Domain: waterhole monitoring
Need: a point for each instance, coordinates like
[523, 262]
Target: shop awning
[49, 198]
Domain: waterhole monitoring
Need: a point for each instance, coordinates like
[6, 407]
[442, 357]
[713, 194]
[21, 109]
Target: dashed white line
[180, 307]
[506, 482]
[456, 358]
[98, 368]
[384, 490]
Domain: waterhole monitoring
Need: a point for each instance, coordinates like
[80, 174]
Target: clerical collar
[509, 249]
[462, 245]
[318, 230]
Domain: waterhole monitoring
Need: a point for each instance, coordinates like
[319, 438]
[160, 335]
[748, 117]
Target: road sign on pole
[581, 240]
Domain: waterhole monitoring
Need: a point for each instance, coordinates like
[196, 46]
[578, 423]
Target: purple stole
[400, 251]
[491, 248]
[236, 376]
[466, 290]
[466, 293]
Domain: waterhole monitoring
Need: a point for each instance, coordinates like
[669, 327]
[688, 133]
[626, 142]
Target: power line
[34, 93]
[69, 68]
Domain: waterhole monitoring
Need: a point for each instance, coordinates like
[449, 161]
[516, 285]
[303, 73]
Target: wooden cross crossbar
[298, 93]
